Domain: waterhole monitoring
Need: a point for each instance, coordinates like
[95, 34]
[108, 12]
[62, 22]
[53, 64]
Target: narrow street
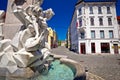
[105, 65]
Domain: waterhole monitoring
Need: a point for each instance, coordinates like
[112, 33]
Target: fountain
[25, 57]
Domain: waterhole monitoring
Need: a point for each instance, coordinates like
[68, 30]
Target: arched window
[99, 10]
[80, 22]
[91, 10]
[80, 11]
[92, 21]
[108, 10]
[109, 21]
[100, 21]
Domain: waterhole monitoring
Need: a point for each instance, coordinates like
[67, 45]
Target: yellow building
[68, 39]
[55, 39]
[51, 39]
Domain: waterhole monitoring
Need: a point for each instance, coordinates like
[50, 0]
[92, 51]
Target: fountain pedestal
[21, 73]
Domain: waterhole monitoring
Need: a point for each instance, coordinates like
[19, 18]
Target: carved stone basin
[70, 70]
[77, 69]
[60, 68]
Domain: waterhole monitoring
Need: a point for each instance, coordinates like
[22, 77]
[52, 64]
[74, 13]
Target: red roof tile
[118, 17]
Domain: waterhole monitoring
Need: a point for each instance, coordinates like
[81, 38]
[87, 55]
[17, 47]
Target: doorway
[93, 47]
[105, 48]
[83, 49]
[116, 49]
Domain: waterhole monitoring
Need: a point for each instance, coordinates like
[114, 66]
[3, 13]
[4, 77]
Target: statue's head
[48, 14]
[38, 2]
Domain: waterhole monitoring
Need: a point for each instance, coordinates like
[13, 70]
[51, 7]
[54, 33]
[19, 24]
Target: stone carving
[29, 41]
[19, 2]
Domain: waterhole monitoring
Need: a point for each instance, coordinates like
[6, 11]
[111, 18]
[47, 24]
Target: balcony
[81, 29]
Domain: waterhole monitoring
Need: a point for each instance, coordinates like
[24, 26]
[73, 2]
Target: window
[91, 10]
[119, 22]
[100, 21]
[82, 35]
[80, 11]
[92, 34]
[93, 47]
[109, 21]
[80, 22]
[110, 34]
[101, 34]
[92, 21]
[108, 10]
[99, 10]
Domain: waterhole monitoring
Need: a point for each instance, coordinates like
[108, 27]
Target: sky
[63, 10]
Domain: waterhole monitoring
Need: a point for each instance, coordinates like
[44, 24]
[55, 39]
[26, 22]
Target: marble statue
[29, 41]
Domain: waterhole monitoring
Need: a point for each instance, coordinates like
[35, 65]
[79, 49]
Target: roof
[79, 1]
[118, 17]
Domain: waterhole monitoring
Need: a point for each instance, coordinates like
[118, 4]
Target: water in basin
[57, 71]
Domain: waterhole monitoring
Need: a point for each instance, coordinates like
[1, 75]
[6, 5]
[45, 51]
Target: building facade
[68, 39]
[73, 33]
[94, 27]
[51, 40]
[2, 21]
[118, 19]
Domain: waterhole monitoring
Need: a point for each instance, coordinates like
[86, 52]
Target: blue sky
[63, 10]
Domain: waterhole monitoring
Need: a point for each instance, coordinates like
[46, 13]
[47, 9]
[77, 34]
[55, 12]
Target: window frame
[82, 35]
[80, 22]
[80, 11]
[100, 21]
[99, 10]
[109, 21]
[108, 10]
[111, 35]
[91, 9]
[92, 23]
[93, 34]
[102, 34]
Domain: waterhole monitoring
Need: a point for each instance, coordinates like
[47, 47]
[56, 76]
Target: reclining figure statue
[29, 41]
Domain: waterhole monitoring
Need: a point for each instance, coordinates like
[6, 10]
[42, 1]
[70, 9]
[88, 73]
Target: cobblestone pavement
[106, 66]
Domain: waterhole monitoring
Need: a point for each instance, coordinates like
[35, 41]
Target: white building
[118, 19]
[94, 27]
[2, 21]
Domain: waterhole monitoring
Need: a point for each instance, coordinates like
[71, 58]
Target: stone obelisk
[12, 24]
